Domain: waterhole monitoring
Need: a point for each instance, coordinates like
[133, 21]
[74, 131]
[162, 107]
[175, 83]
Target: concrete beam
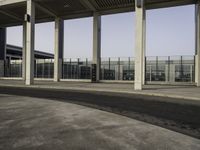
[88, 5]
[11, 15]
[46, 10]
[8, 2]
[97, 44]
[197, 54]
[30, 36]
[140, 46]
[59, 49]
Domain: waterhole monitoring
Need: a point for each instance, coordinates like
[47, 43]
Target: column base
[29, 82]
[138, 86]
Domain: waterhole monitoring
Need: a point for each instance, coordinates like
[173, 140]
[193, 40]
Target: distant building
[15, 52]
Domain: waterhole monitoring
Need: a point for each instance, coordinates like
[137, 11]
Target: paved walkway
[184, 92]
[32, 123]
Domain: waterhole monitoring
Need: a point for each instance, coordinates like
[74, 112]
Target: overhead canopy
[12, 11]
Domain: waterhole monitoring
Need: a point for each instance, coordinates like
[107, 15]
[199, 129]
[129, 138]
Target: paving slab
[32, 123]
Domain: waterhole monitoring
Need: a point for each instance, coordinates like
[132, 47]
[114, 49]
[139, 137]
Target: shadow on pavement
[175, 114]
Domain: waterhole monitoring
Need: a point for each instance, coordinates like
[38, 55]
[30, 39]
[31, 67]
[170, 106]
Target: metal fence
[76, 68]
[44, 68]
[157, 69]
[170, 69]
[13, 68]
[117, 69]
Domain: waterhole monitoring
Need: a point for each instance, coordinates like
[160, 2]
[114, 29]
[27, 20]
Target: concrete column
[140, 45]
[2, 51]
[197, 53]
[144, 54]
[30, 36]
[24, 53]
[59, 46]
[97, 44]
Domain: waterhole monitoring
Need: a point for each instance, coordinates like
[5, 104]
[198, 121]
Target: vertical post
[144, 47]
[119, 71]
[24, 53]
[168, 70]
[78, 71]
[2, 51]
[197, 40]
[70, 62]
[59, 46]
[140, 44]
[30, 36]
[181, 69]
[129, 68]
[97, 44]
[109, 71]
[157, 79]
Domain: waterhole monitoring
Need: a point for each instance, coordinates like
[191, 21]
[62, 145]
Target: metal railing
[157, 69]
[44, 68]
[117, 69]
[170, 69]
[76, 68]
[13, 68]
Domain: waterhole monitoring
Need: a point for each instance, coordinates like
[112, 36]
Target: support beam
[144, 46]
[46, 10]
[140, 45]
[59, 46]
[197, 53]
[24, 53]
[97, 44]
[30, 36]
[8, 2]
[11, 15]
[88, 5]
[2, 51]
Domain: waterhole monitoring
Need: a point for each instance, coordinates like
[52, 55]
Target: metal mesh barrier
[13, 68]
[44, 68]
[117, 69]
[157, 69]
[76, 68]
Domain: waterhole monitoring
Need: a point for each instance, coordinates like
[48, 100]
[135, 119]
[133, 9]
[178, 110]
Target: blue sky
[170, 31]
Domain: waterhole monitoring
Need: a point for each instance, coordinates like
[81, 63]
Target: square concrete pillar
[29, 42]
[97, 44]
[2, 51]
[197, 40]
[140, 45]
[24, 53]
[144, 53]
[59, 46]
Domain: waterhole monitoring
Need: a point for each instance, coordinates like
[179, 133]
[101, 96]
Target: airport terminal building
[30, 64]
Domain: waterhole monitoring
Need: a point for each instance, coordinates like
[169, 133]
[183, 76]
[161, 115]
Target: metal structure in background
[158, 69]
[44, 68]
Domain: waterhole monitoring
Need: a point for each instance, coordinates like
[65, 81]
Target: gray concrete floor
[32, 123]
[180, 91]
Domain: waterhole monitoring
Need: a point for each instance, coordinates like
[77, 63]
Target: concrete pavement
[188, 92]
[31, 123]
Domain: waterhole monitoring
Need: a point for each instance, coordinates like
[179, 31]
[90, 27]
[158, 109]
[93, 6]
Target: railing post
[168, 68]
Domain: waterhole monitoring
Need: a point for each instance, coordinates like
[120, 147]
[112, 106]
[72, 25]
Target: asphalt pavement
[28, 123]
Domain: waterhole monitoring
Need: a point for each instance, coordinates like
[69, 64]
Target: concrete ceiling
[47, 10]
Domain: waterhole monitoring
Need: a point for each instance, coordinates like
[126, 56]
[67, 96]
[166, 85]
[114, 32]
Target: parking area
[32, 123]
